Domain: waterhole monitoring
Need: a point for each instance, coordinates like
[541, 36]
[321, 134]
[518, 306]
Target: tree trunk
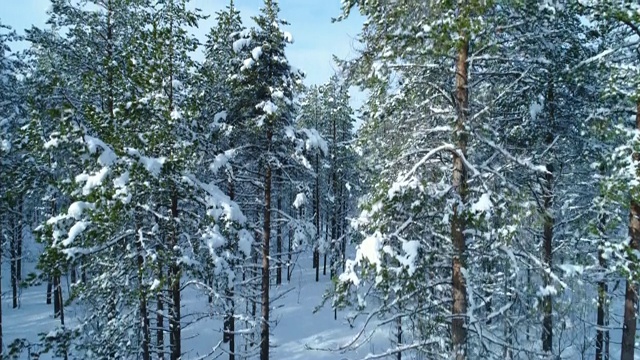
[279, 244]
[631, 295]
[160, 320]
[458, 224]
[602, 332]
[57, 305]
[316, 252]
[230, 321]
[399, 337]
[175, 274]
[1, 343]
[264, 332]
[547, 301]
[49, 289]
[290, 254]
[547, 234]
[14, 259]
[144, 315]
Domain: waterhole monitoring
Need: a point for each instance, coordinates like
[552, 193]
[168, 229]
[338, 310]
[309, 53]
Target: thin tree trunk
[15, 225]
[547, 301]
[264, 332]
[547, 233]
[601, 331]
[631, 292]
[326, 235]
[230, 321]
[175, 274]
[160, 320]
[290, 254]
[1, 343]
[144, 315]
[49, 290]
[458, 224]
[316, 253]
[279, 243]
[399, 337]
[57, 305]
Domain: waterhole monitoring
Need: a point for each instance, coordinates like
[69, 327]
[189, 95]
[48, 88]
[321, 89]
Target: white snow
[410, 249]
[256, 53]
[152, 164]
[268, 107]
[247, 64]
[300, 200]
[77, 208]
[571, 270]
[240, 44]
[483, 204]
[547, 290]
[288, 37]
[92, 181]
[107, 157]
[155, 284]
[245, 240]
[536, 108]
[222, 160]
[369, 249]
[75, 231]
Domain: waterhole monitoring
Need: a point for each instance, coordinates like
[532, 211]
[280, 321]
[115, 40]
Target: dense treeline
[491, 195]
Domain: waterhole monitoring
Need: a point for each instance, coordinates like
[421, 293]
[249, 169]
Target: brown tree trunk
[631, 293]
[264, 331]
[458, 224]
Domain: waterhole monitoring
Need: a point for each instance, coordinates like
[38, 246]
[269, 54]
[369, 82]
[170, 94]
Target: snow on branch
[522, 162]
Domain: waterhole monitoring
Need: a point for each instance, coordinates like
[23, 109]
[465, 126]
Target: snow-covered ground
[298, 329]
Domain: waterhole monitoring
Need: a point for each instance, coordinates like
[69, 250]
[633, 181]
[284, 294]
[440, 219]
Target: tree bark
[602, 333]
[57, 304]
[316, 252]
[458, 224]
[15, 234]
[175, 274]
[631, 292]
[1, 339]
[547, 301]
[49, 290]
[279, 244]
[160, 320]
[230, 321]
[264, 332]
[144, 315]
[547, 233]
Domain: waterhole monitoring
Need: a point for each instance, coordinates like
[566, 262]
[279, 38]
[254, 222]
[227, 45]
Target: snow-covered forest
[482, 203]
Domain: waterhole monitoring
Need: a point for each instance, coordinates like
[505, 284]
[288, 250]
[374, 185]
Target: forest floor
[298, 329]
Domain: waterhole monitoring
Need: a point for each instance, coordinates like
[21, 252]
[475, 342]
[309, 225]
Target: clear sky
[316, 38]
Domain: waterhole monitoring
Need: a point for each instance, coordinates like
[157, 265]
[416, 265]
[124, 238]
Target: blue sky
[315, 37]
